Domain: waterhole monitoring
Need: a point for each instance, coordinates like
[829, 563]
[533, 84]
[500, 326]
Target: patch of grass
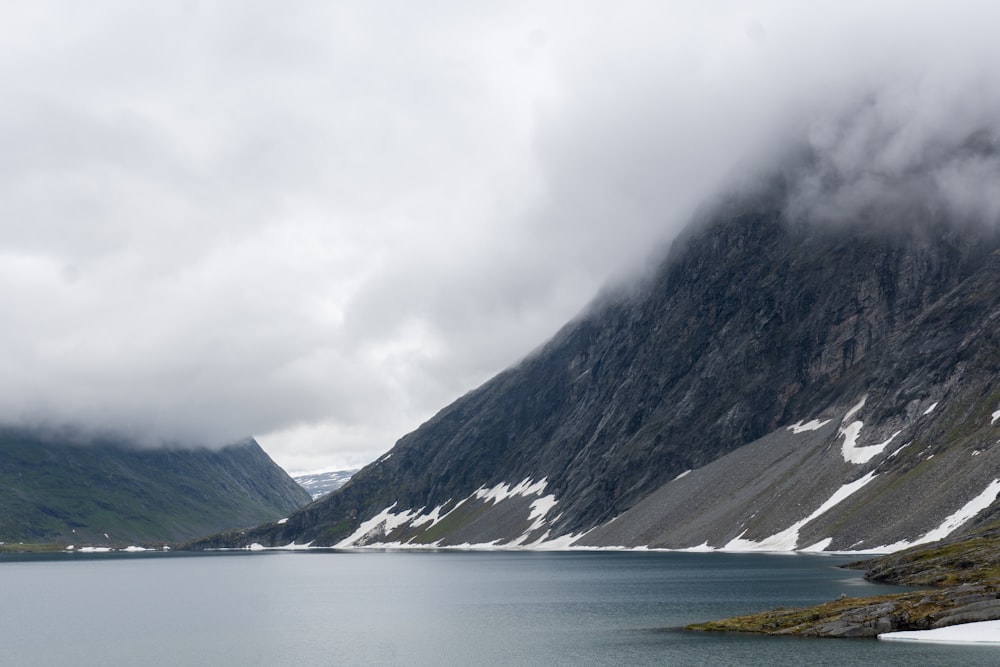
[336, 532]
[457, 519]
[23, 548]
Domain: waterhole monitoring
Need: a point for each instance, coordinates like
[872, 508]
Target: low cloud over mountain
[318, 226]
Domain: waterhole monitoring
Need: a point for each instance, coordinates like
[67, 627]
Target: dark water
[324, 608]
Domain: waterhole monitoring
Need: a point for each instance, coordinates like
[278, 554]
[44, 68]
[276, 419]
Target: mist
[320, 226]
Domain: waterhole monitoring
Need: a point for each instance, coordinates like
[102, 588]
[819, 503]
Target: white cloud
[320, 223]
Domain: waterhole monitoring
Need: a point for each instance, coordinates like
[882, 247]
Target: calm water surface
[327, 608]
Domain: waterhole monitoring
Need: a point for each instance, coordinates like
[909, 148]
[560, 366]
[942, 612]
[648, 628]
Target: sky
[318, 223]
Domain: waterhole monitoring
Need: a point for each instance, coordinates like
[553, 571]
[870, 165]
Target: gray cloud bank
[320, 222]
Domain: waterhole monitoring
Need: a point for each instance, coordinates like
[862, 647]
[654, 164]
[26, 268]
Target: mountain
[111, 494]
[321, 483]
[777, 383]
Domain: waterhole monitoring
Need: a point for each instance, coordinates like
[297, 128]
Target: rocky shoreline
[964, 574]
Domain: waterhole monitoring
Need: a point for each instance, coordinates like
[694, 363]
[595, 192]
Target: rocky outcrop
[970, 557]
[870, 617]
[965, 569]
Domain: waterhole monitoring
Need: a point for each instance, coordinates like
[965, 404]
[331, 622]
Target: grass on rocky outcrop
[26, 548]
[964, 571]
[949, 563]
[858, 617]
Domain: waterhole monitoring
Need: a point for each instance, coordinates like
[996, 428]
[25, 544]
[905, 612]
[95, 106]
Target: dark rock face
[753, 322]
[109, 494]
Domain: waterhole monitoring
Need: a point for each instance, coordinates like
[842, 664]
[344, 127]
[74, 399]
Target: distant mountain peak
[319, 484]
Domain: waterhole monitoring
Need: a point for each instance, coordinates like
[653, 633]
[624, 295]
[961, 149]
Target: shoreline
[958, 582]
[871, 616]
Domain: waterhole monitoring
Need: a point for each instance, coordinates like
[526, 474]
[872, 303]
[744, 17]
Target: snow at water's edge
[787, 539]
[982, 632]
[384, 522]
[370, 532]
[782, 542]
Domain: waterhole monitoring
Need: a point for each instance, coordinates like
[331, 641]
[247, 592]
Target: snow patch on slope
[371, 532]
[822, 545]
[379, 525]
[434, 516]
[953, 522]
[559, 543]
[541, 507]
[787, 539]
[503, 491]
[851, 451]
[996, 416]
[813, 425]
[899, 449]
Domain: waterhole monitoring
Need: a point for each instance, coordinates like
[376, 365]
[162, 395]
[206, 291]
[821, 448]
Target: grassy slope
[52, 492]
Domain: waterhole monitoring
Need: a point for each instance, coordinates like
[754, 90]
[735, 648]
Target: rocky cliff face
[775, 382]
[110, 494]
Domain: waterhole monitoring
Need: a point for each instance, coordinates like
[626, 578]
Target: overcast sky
[320, 222]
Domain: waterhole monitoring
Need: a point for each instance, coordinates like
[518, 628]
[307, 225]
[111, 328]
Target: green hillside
[109, 493]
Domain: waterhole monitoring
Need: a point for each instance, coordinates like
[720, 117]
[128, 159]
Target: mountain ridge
[753, 322]
[108, 493]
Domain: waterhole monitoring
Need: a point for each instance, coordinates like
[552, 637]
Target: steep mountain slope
[753, 323]
[110, 494]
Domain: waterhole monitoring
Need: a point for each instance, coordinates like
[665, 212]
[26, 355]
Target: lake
[420, 608]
